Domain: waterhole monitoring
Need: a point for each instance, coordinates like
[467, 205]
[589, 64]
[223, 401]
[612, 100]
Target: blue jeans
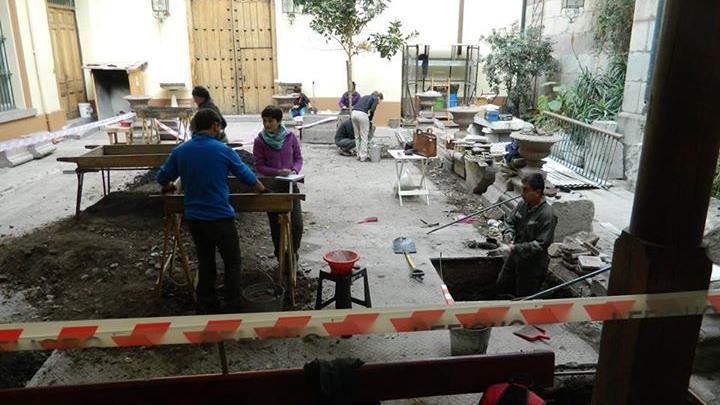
[297, 112]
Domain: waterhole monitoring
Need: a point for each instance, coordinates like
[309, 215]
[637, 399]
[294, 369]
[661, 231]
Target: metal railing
[589, 151]
[7, 99]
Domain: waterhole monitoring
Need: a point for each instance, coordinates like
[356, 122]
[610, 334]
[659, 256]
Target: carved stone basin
[534, 148]
[137, 101]
[463, 116]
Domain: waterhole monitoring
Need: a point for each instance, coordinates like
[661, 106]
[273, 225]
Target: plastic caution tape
[214, 328]
[166, 128]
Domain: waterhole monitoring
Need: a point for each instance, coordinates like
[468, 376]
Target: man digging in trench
[530, 231]
[203, 164]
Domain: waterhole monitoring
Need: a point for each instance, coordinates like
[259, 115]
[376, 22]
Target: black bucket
[263, 297]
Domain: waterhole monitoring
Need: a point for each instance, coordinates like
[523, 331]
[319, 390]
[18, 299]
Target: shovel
[405, 246]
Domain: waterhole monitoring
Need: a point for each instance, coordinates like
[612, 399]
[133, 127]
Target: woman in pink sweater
[277, 153]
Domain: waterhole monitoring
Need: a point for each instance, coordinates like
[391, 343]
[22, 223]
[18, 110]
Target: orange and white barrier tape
[167, 128]
[446, 293]
[214, 328]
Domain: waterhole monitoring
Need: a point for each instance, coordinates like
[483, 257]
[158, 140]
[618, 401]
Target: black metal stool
[343, 282]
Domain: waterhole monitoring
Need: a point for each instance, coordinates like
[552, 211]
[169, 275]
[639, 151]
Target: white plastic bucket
[375, 152]
[85, 110]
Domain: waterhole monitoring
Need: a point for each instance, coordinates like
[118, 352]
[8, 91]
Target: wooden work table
[105, 158]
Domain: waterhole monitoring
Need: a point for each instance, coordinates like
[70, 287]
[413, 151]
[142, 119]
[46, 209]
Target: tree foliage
[344, 20]
[613, 25]
[593, 96]
[516, 58]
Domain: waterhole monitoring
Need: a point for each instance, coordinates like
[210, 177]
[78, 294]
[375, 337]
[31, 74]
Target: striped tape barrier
[167, 128]
[31, 140]
[215, 328]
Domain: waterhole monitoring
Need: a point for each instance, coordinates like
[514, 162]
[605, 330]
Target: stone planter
[463, 116]
[534, 148]
[427, 102]
[137, 101]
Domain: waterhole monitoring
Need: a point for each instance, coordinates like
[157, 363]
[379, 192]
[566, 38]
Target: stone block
[645, 10]
[574, 215]
[632, 126]
[631, 96]
[638, 38]
[632, 163]
[637, 66]
[42, 149]
[642, 104]
[15, 156]
[322, 133]
[650, 36]
[478, 176]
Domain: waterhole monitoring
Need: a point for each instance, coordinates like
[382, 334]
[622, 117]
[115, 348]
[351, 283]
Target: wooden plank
[237, 187]
[241, 202]
[151, 149]
[116, 161]
[410, 379]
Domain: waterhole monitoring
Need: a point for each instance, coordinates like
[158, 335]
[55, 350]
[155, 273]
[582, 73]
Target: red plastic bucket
[341, 261]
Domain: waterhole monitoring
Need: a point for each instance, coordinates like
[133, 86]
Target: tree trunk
[348, 65]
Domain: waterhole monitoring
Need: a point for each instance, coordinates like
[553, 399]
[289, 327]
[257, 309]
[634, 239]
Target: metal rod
[441, 271]
[474, 214]
[223, 357]
[567, 283]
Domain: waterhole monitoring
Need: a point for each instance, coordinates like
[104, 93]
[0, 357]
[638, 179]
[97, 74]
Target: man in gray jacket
[530, 231]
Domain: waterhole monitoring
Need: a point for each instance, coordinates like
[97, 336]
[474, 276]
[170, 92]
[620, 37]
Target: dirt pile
[105, 264]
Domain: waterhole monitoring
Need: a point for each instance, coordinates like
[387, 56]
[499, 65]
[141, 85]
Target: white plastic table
[420, 188]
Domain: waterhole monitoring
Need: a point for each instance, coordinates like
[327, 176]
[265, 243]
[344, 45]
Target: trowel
[405, 246]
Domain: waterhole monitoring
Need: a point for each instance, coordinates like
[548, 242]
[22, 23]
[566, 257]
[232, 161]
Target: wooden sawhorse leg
[81, 177]
[172, 235]
[288, 264]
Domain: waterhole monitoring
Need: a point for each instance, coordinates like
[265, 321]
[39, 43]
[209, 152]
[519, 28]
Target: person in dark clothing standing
[301, 103]
[203, 164]
[345, 138]
[361, 117]
[202, 98]
[530, 231]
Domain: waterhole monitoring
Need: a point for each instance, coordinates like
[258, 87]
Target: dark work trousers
[521, 277]
[221, 235]
[296, 222]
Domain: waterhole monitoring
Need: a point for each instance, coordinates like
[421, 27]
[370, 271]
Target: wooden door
[66, 54]
[232, 52]
[254, 46]
[213, 52]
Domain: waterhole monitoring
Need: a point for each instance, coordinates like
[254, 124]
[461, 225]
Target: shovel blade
[404, 245]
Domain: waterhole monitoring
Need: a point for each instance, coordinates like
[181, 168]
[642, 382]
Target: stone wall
[631, 121]
[573, 43]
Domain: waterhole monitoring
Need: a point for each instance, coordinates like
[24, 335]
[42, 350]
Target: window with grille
[7, 100]
[289, 7]
[68, 3]
[573, 3]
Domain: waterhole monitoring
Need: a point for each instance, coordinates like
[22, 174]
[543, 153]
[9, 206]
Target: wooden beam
[241, 202]
[650, 361]
[116, 161]
[370, 382]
